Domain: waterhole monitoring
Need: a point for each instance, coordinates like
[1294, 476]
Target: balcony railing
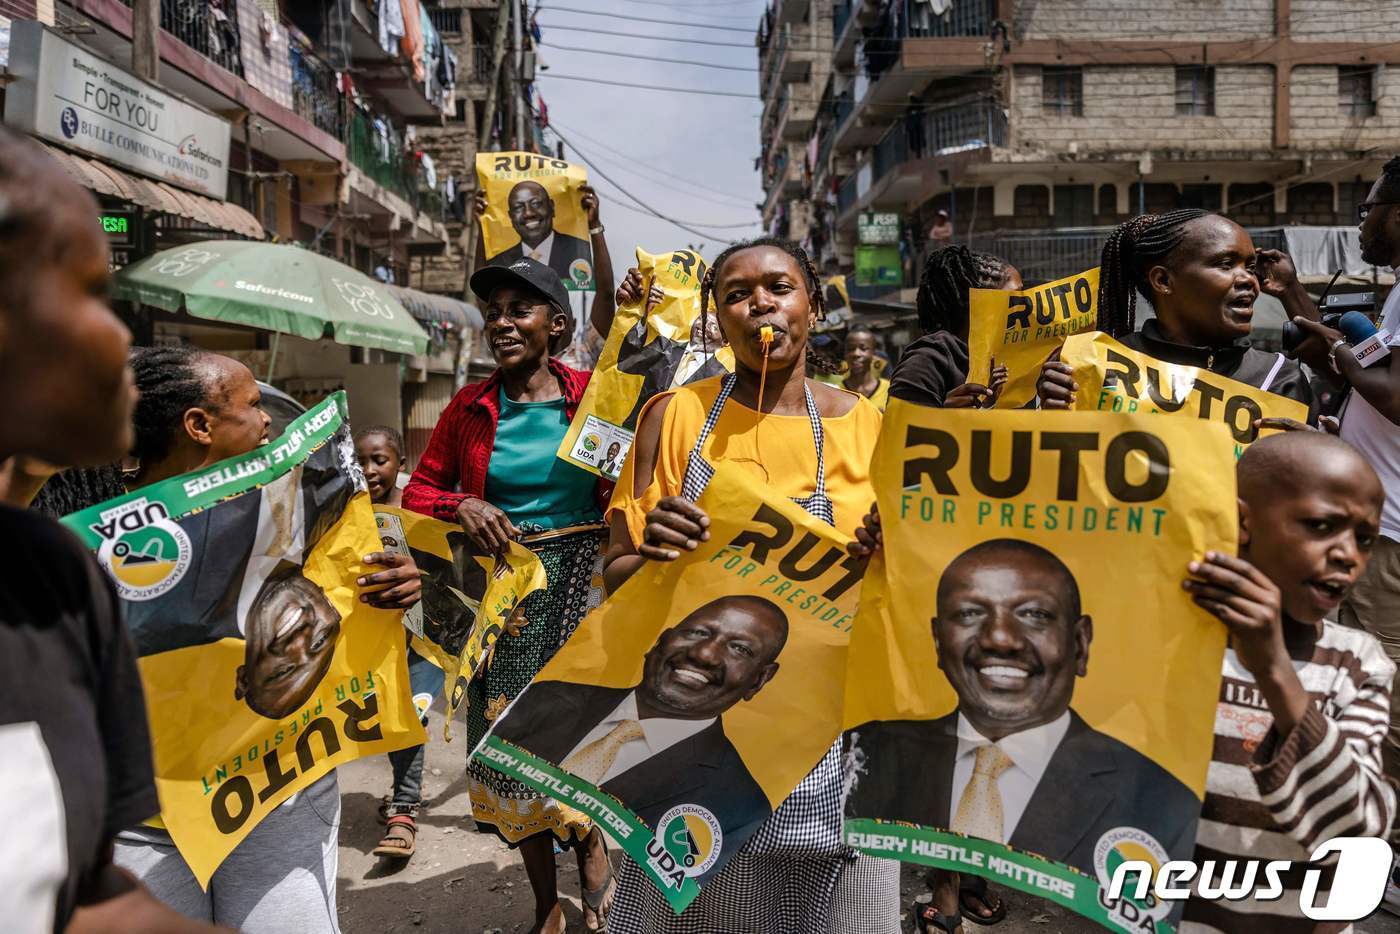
[909, 19]
[446, 21]
[842, 107]
[969, 125]
[378, 158]
[776, 49]
[840, 15]
[847, 192]
[211, 29]
[1044, 255]
[481, 62]
[315, 96]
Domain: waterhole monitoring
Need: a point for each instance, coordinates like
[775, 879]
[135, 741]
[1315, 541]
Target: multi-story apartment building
[1035, 125]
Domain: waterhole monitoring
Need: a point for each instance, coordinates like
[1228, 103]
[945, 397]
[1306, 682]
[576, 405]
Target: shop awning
[158, 196]
[276, 287]
[428, 308]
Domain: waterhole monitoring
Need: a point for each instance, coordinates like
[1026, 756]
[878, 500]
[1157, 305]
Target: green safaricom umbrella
[275, 287]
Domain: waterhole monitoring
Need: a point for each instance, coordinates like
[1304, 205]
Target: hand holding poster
[1021, 329]
[646, 352]
[468, 599]
[1113, 378]
[695, 699]
[533, 208]
[262, 669]
[1031, 694]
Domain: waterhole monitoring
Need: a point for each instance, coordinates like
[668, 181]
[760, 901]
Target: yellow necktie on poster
[592, 762]
[979, 810]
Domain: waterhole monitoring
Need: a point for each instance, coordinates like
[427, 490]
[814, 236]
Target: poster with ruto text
[1022, 329]
[534, 208]
[645, 353]
[469, 599]
[262, 669]
[1031, 693]
[697, 697]
[1113, 378]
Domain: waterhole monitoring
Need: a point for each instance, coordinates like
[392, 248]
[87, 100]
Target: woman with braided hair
[811, 442]
[933, 369]
[1200, 274]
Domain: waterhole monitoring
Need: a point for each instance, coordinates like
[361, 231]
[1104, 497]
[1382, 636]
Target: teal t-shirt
[525, 479]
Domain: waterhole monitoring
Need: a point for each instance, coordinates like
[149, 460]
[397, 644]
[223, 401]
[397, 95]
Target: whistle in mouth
[765, 334]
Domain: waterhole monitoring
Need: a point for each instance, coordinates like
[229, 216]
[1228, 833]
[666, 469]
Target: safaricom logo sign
[269, 290]
[1363, 867]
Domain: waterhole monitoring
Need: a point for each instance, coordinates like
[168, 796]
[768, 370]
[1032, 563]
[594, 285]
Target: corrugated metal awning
[158, 196]
[428, 308]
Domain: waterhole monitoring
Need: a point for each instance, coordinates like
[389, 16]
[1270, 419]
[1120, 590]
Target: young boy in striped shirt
[1304, 703]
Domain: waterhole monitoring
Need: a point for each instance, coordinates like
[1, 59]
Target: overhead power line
[649, 58]
[633, 35]
[683, 225]
[651, 87]
[645, 19]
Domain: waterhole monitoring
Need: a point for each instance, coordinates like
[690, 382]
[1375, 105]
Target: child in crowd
[379, 449]
[1304, 702]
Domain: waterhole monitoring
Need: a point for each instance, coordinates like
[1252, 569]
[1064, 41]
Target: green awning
[275, 287]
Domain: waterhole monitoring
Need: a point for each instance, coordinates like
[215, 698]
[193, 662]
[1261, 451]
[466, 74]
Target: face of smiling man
[722, 653]
[292, 630]
[1010, 636]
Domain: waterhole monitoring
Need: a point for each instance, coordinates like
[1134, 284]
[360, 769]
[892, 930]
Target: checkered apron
[784, 879]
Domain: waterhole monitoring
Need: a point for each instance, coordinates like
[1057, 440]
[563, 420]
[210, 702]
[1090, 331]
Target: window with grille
[1356, 90]
[1074, 205]
[1195, 91]
[1062, 90]
[1206, 197]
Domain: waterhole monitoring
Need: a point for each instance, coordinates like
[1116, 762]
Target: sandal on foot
[972, 889]
[400, 838]
[929, 920]
[595, 899]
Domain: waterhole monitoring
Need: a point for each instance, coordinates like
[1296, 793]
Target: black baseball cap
[526, 272]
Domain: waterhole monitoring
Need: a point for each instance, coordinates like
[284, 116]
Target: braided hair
[172, 380]
[1132, 249]
[77, 488]
[819, 361]
[942, 300]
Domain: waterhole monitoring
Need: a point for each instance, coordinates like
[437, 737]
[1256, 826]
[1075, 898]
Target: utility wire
[651, 167]
[645, 19]
[633, 35]
[651, 210]
[649, 58]
[651, 87]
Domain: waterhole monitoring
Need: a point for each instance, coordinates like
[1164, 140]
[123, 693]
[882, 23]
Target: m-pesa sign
[80, 101]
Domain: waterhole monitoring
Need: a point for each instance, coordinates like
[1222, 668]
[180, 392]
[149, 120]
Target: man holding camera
[1369, 423]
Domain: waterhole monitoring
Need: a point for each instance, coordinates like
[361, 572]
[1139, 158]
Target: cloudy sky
[689, 156]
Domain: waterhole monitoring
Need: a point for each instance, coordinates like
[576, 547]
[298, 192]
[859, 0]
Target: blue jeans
[425, 680]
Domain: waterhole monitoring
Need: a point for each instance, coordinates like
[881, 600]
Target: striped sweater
[1271, 798]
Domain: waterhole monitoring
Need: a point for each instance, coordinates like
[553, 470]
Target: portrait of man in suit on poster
[1014, 762]
[661, 742]
[531, 211]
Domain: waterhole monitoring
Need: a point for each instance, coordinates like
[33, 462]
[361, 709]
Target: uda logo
[581, 272]
[687, 844]
[143, 551]
[1128, 844]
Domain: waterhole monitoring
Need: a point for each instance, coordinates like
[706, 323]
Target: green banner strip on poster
[630, 831]
[997, 862]
[199, 489]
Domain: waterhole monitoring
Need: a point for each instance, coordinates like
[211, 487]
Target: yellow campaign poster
[468, 599]
[533, 208]
[1022, 329]
[696, 698]
[645, 354]
[262, 669]
[1031, 694]
[1113, 378]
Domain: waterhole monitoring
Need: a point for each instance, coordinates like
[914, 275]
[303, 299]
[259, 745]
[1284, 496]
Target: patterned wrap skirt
[573, 560]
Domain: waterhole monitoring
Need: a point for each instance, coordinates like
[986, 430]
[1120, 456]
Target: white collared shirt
[658, 735]
[539, 253]
[1030, 752]
[693, 359]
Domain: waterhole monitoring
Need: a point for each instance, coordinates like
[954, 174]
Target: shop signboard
[62, 93]
[873, 229]
[879, 265]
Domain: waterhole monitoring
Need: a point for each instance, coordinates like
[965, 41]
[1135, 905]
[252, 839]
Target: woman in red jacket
[491, 467]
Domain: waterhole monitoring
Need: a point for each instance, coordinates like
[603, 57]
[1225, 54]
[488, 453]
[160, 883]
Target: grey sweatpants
[279, 880]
